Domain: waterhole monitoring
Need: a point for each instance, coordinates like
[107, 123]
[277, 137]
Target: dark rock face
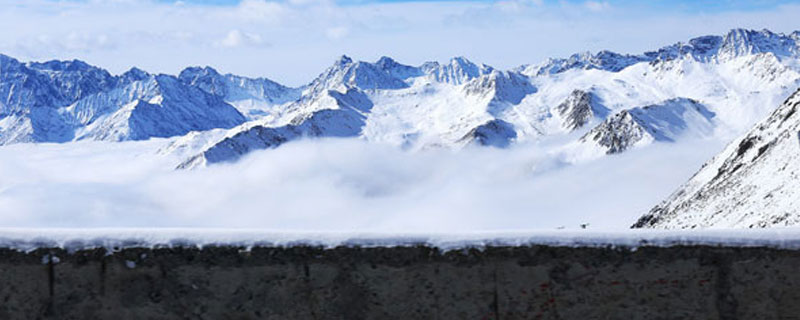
[536, 282]
[617, 133]
[579, 108]
[666, 122]
[495, 133]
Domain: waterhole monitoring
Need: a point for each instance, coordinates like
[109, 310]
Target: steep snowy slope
[754, 182]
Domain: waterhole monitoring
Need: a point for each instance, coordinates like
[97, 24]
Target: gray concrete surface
[536, 282]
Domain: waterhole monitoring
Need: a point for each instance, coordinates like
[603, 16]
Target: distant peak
[742, 31]
[583, 55]
[385, 59]
[386, 62]
[344, 60]
[58, 65]
[135, 74]
[460, 60]
[200, 70]
[5, 58]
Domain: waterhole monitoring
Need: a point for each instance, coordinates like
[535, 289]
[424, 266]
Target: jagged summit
[134, 74]
[580, 108]
[396, 69]
[58, 65]
[343, 60]
[736, 43]
[457, 71]
[666, 121]
[416, 107]
[495, 133]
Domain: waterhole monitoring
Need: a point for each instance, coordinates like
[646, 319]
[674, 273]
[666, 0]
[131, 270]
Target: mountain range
[597, 104]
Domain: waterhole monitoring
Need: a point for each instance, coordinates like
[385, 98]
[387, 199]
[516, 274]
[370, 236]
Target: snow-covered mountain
[59, 101]
[712, 86]
[252, 97]
[736, 43]
[156, 106]
[708, 87]
[753, 183]
[579, 109]
[666, 121]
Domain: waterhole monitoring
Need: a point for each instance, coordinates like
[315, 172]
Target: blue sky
[702, 5]
[291, 41]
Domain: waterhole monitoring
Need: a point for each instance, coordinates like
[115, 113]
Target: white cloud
[237, 38]
[336, 33]
[261, 10]
[335, 185]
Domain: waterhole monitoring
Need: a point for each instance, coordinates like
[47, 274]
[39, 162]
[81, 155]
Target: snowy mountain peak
[603, 60]
[6, 59]
[194, 72]
[343, 61]
[736, 43]
[345, 74]
[385, 62]
[754, 182]
[494, 133]
[396, 69]
[501, 86]
[205, 78]
[666, 121]
[74, 79]
[741, 42]
[254, 98]
[159, 106]
[579, 108]
[134, 74]
[457, 71]
[57, 65]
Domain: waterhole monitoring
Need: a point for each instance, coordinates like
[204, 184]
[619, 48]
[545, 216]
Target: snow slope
[753, 183]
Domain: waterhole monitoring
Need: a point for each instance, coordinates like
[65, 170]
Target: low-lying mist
[338, 185]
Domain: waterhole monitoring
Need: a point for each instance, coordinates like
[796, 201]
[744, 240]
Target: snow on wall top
[115, 239]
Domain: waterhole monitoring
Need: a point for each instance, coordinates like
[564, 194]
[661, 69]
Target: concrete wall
[536, 282]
